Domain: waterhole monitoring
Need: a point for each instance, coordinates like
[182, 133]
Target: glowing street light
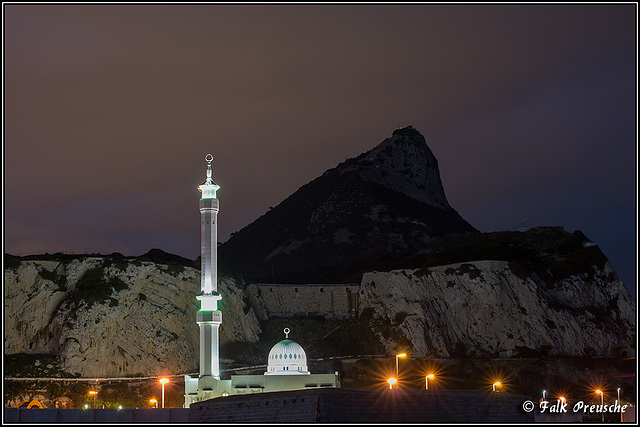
[495, 384]
[163, 381]
[391, 382]
[94, 393]
[398, 356]
[153, 402]
[544, 392]
[426, 379]
[601, 393]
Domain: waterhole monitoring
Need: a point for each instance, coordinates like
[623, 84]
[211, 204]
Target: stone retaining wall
[329, 301]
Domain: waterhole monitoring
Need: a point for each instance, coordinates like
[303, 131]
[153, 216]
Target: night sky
[109, 111]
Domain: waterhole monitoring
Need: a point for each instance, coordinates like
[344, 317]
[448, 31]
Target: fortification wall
[331, 301]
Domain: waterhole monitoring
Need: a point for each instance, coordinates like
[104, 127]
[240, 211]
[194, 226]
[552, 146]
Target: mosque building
[287, 360]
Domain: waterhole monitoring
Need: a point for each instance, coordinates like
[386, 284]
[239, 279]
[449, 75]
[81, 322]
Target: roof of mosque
[287, 357]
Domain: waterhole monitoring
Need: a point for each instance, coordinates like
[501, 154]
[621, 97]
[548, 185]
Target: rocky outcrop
[483, 307]
[384, 203]
[106, 318]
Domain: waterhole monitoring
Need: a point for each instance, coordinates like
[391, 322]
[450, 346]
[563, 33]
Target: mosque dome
[287, 358]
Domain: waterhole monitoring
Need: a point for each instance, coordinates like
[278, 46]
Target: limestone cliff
[483, 307]
[106, 318]
[543, 290]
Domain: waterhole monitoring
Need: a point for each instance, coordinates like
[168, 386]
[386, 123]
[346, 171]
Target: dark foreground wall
[14, 415]
[364, 406]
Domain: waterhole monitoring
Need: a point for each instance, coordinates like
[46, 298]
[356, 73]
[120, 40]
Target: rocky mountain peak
[386, 202]
[404, 163]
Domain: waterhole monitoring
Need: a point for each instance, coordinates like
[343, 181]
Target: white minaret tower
[209, 317]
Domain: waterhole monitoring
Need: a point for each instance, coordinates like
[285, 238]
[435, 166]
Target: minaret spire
[208, 158]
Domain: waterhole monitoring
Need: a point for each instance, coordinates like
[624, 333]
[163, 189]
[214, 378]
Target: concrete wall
[14, 415]
[257, 408]
[330, 301]
[364, 406]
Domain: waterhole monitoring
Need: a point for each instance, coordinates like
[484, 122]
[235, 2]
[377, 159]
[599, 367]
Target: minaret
[209, 317]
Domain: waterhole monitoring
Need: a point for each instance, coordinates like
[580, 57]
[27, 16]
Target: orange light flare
[597, 387]
[378, 373]
[93, 393]
[560, 394]
[432, 376]
[391, 382]
[497, 380]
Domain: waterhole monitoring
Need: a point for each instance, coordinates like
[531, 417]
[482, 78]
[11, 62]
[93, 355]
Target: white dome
[287, 358]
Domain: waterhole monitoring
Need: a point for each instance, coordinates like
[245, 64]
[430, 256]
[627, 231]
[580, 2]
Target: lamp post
[163, 381]
[153, 402]
[94, 393]
[619, 403]
[602, 402]
[426, 379]
[397, 357]
[391, 382]
[495, 384]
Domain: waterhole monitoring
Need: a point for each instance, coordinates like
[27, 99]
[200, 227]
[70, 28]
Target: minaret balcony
[209, 316]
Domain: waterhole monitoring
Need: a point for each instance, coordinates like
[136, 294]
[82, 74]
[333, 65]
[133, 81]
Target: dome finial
[286, 332]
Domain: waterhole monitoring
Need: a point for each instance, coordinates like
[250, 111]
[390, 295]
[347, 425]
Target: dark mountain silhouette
[383, 204]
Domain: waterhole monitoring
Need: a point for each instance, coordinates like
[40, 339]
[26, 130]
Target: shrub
[11, 261]
[93, 287]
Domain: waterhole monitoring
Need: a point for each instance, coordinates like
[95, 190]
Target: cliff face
[106, 317]
[121, 318]
[483, 307]
[386, 202]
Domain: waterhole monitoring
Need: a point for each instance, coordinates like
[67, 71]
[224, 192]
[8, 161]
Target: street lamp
[495, 384]
[619, 403]
[398, 356]
[163, 381]
[391, 382]
[544, 392]
[602, 401]
[427, 380]
[94, 393]
[154, 402]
